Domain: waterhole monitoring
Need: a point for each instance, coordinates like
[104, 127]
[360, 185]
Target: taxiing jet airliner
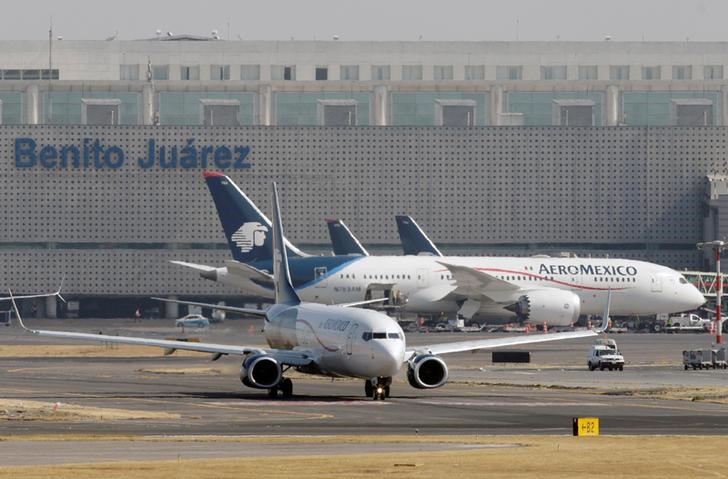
[539, 290]
[325, 340]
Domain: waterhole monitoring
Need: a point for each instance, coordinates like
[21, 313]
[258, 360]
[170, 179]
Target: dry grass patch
[718, 395]
[22, 410]
[184, 371]
[542, 457]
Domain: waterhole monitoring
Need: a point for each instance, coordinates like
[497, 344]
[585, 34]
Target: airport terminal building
[519, 148]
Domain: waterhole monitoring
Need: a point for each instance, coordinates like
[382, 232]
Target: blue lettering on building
[92, 153]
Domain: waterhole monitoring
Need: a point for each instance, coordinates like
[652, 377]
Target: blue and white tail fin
[285, 294]
[246, 228]
[414, 240]
[343, 241]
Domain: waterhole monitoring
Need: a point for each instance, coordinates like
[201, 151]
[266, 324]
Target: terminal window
[381, 72]
[475, 72]
[189, 72]
[322, 73]
[682, 72]
[509, 72]
[129, 72]
[455, 112]
[219, 72]
[282, 72]
[442, 72]
[619, 72]
[100, 111]
[250, 72]
[220, 112]
[411, 72]
[160, 72]
[588, 72]
[349, 72]
[337, 112]
[713, 72]
[553, 72]
[651, 73]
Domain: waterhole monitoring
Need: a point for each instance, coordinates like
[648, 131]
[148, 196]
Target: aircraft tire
[273, 392]
[386, 392]
[368, 388]
[287, 388]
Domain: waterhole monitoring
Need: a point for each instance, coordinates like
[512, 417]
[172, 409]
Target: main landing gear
[377, 388]
[286, 388]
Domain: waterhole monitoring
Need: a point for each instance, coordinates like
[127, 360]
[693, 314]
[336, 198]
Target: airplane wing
[57, 293]
[221, 307]
[247, 271]
[476, 344]
[471, 282]
[287, 357]
[199, 267]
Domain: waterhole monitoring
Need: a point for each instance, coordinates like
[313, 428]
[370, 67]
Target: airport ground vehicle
[687, 323]
[706, 358]
[192, 321]
[604, 354]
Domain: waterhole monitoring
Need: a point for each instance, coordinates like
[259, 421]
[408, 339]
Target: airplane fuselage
[346, 342]
[638, 287]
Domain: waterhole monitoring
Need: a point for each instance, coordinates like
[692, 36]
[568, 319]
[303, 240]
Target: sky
[449, 20]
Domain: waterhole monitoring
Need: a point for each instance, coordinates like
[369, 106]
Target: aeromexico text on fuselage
[576, 275]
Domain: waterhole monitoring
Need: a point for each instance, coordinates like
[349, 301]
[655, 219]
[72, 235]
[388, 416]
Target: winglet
[285, 294]
[58, 293]
[605, 316]
[17, 312]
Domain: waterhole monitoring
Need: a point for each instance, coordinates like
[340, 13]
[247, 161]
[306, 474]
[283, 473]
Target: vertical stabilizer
[414, 240]
[343, 241]
[285, 294]
[246, 228]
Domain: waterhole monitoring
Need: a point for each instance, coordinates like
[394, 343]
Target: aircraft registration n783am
[326, 340]
[534, 289]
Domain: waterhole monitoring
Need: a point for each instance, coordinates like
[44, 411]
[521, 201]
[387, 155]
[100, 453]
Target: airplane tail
[246, 228]
[414, 240]
[285, 294]
[343, 241]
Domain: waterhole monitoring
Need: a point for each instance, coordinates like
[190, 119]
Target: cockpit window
[393, 335]
[367, 335]
[683, 280]
[379, 335]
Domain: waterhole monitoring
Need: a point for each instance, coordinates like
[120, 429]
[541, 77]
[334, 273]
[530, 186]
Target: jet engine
[260, 371]
[552, 306]
[427, 371]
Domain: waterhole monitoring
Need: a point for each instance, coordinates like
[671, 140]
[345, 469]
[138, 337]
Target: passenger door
[350, 339]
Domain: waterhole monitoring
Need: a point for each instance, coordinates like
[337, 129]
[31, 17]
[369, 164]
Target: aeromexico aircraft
[324, 340]
[539, 290]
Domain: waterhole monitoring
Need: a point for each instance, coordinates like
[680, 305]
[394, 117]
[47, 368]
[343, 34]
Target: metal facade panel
[474, 187]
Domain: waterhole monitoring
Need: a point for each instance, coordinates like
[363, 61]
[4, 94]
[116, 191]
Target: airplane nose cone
[698, 299]
[390, 357]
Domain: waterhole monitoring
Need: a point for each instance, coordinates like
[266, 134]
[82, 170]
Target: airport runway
[540, 398]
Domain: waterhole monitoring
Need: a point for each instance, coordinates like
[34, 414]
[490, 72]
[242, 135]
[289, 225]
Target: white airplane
[325, 340]
[533, 289]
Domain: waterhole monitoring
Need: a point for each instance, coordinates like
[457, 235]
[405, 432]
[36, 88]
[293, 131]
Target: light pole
[717, 246]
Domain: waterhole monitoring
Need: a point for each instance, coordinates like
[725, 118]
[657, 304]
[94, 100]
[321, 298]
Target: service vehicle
[604, 354]
[192, 321]
[687, 323]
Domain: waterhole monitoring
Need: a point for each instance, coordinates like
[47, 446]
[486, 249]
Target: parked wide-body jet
[538, 290]
[325, 340]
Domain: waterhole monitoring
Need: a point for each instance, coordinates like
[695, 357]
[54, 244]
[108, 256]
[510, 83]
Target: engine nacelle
[260, 371]
[554, 307]
[427, 371]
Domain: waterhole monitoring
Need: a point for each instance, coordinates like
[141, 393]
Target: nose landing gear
[377, 388]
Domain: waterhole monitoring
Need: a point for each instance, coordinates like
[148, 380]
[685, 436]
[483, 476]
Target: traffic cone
[545, 327]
